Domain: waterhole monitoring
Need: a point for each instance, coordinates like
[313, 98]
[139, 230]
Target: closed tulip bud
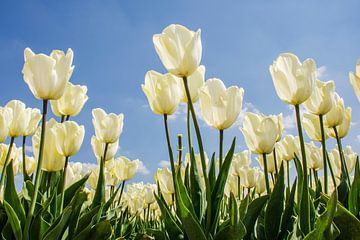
[335, 162]
[71, 102]
[195, 82]
[311, 124]
[292, 79]
[45, 75]
[93, 177]
[108, 127]
[125, 169]
[164, 177]
[355, 79]
[260, 133]
[289, 146]
[179, 49]
[336, 115]
[350, 158]
[270, 161]
[278, 119]
[15, 156]
[69, 137]
[220, 106]
[162, 91]
[260, 184]
[148, 192]
[314, 156]
[52, 160]
[231, 186]
[249, 176]
[240, 160]
[5, 122]
[344, 127]
[322, 98]
[33, 123]
[30, 165]
[98, 148]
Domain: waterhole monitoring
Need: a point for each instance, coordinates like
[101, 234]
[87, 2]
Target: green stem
[305, 217]
[288, 172]
[67, 118]
[188, 123]
[238, 185]
[26, 176]
[63, 184]
[62, 119]
[121, 192]
[180, 149]
[323, 145]
[266, 174]
[171, 156]
[275, 163]
[6, 160]
[38, 171]
[221, 136]
[344, 169]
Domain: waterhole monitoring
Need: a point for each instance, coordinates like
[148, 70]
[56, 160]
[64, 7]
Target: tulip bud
[344, 127]
[195, 82]
[314, 156]
[30, 165]
[322, 98]
[260, 133]
[125, 169]
[220, 106]
[71, 102]
[110, 173]
[164, 177]
[292, 79]
[350, 158]
[335, 116]
[15, 156]
[148, 192]
[311, 124]
[45, 75]
[5, 122]
[162, 91]
[52, 160]
[289, 146]
[278, 119]
[249, 176]
[240, 160]
[69, 137]
[98, 148]
[108, 127]
[260, 184]
[355, 79]
[179, 49]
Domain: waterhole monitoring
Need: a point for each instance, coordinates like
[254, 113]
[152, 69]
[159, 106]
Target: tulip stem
[6, 160]
[188, 123]
[266, 174]
[344, 169]
[288, 172]
[275, 162]
[171, 156]
[25, 174]
[180, 149]
[121, 191]
[331, 171]
[201, 150]
[323, 144]
[63, 184]
[62, 119]
[305, 217]
[221, 133]
[38, 171]
[238, 185]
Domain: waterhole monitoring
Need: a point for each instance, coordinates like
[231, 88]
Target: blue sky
[112, 43]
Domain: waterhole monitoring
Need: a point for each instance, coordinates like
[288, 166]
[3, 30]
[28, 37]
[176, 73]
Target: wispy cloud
[164, 163]
[321, 71]
[143, 169]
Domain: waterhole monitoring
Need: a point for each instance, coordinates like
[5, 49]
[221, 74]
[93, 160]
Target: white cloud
[290, 120]
[321, 71]
[143, 169]
[247, 107]
[28, 149]
[164, 163]
[358, 138]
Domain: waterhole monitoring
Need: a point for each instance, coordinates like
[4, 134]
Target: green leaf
[100, 188]
[58, 227]
[300, 177]
[76, 203]
[71, 190]
[212, 172]
[101, 230]
[354, 194]
[244, 204]
[85, 219]
[286, 220]
[324, 221]
[275, 207]
[252, 214]
[38, 228]
[195, 187]
[234, 211]
[233, 232]
[13, 219]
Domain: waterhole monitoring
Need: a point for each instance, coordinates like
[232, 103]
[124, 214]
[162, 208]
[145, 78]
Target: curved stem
[38, 171]
[323, 145]
[266, 174]
[188, 124]
[221, 137]
[275, 163]
[344, 169]
[6, 160]
[121, 191]
[171, 156]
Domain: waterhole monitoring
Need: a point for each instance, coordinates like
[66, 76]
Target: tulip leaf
[57, 229]
[300, 177]
[286, 220]
[76, 203]
[39, 226]
[275, 207]
[252, 214]
[354, 194]
[102, 230]
[244, 204]
[13, 219]
[100, 188]
[195, 186]
[71, 190]
[233, 232]
[212, 172]
[218, 191]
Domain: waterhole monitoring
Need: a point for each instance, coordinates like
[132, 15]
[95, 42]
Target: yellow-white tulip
[179, 49]
[220, 106]
[72, 174]
[355, 79]
[270, 161]
[125, 169]
[278, 119]
[344, 127]
[240, 160]
[15, 155]
[322, 98]
[314, 156]
[350, 158]
[232, 186]
[336, 115]
[197, 161]
[98, 148]
[195, 82]
[164, 177]
[69, 137]
[162, 91]
[45, 75]
[260, 184]
[93, 178]
[30, 165]
[5, 122]
[311, 124]
[249, 176]
[148, 193]
[289, 146]
[292, 79]
[52, 160]
[71, 102]
[110, 173]
[260, 132]
[108, 127]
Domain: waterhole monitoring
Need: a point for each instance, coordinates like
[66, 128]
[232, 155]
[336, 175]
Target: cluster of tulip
[225, 197]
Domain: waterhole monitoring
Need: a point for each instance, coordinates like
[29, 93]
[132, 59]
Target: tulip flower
[71, 102]
[45, 75]
[292, 79]
[311, 124]
[148, 192]
[5, 122]
[289, 146]
[164, 177]
[162, 91]
[30, 165]
[272, 166]
[344, 127]
[233, 185]
[125, 169]
[69, 137]
[350, 158]
[260, 184]
[15, 156]
[52, 160]
[98, 148]
[196, 81]
[355, 79]
[249, 176]
[322, 98]
[179, 49]
[240, 160]
[315, 156]
[335, 116]
[108, 127]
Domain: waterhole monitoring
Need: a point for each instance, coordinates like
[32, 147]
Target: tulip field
[225, 195]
